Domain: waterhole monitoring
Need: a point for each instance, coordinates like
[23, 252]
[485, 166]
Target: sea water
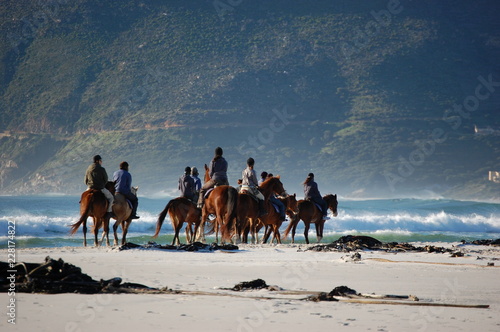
[44, 221]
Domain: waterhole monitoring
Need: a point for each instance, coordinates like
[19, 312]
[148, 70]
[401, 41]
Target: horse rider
[274, 200]
[97, 178]
[218, 175]
[311, 193]
[186, 184]
[197, 183]
[250, 185]
[263, 177]
[123, 185]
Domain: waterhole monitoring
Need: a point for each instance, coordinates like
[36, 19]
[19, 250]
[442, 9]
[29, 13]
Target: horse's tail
[83, 218]
[231, 212]
[162, 216]
[293, 222]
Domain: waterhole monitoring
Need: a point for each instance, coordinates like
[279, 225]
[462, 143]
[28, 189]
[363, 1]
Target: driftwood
[56, 276]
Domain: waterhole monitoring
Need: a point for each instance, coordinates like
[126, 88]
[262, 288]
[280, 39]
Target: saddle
[317, 205]
[207, 193]
[126, 199]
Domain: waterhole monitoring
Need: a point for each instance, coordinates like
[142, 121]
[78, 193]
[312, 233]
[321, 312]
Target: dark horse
[248, 216]
[272, 220]
[222, 203]
[180, 210]
[93, 204]
[310, 213]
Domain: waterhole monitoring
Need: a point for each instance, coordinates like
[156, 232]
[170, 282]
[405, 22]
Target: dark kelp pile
[353, 243]
[195, 246]
[56, 276]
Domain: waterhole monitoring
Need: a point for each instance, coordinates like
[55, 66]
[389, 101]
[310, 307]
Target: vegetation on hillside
[363, 95]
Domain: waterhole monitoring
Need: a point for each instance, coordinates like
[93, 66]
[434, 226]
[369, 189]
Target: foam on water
[45, 220]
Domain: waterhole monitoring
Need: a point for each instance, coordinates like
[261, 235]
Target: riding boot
[262, 208]
[134, 213]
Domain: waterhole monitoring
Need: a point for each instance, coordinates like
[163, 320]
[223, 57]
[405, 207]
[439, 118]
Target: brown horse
[272, 220]
[93, 204]
[180, 210]
[291, 206]
[222, 203]
[247, 220]
[253, 224]
[123, 215]
[310, 213]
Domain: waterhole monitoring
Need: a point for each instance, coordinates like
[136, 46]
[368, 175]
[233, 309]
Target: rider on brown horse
[186, 184]
[123, 185]
[96, 178]
[250, 185]
[311, 193]
[218, 175]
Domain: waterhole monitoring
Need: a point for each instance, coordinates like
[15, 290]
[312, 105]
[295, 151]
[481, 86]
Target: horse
[181, 210]
[290, 202]
[247, 220]
[123, 214]
[222, 203]
[253, 224]
[310, 213]
[93, 204]
[272, 220]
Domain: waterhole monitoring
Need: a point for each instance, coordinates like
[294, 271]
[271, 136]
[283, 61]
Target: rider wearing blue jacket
[123, 185]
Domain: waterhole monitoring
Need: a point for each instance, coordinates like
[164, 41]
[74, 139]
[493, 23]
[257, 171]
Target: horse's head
[274, 184]
[331, 201]
[291, 203]
[207, 173]
[134, 190]
[110, 185]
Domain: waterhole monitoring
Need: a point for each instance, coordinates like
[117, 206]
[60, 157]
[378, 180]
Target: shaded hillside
[360, 93]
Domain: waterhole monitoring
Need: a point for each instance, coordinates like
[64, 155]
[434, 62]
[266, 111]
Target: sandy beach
[461, 284]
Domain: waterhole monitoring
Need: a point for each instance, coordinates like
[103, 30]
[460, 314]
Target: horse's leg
[177, 229]
[216, 227]
[277, 235]
[97, 223]
[115, 228]
[188, 232]
[199, 229]
[84, 228]
[125, 226]
[294, 228]
[105, 231]
[319, 230]
[306, 231]
[267, 233]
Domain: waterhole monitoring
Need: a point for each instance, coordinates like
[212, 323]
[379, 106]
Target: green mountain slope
[362, 93]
